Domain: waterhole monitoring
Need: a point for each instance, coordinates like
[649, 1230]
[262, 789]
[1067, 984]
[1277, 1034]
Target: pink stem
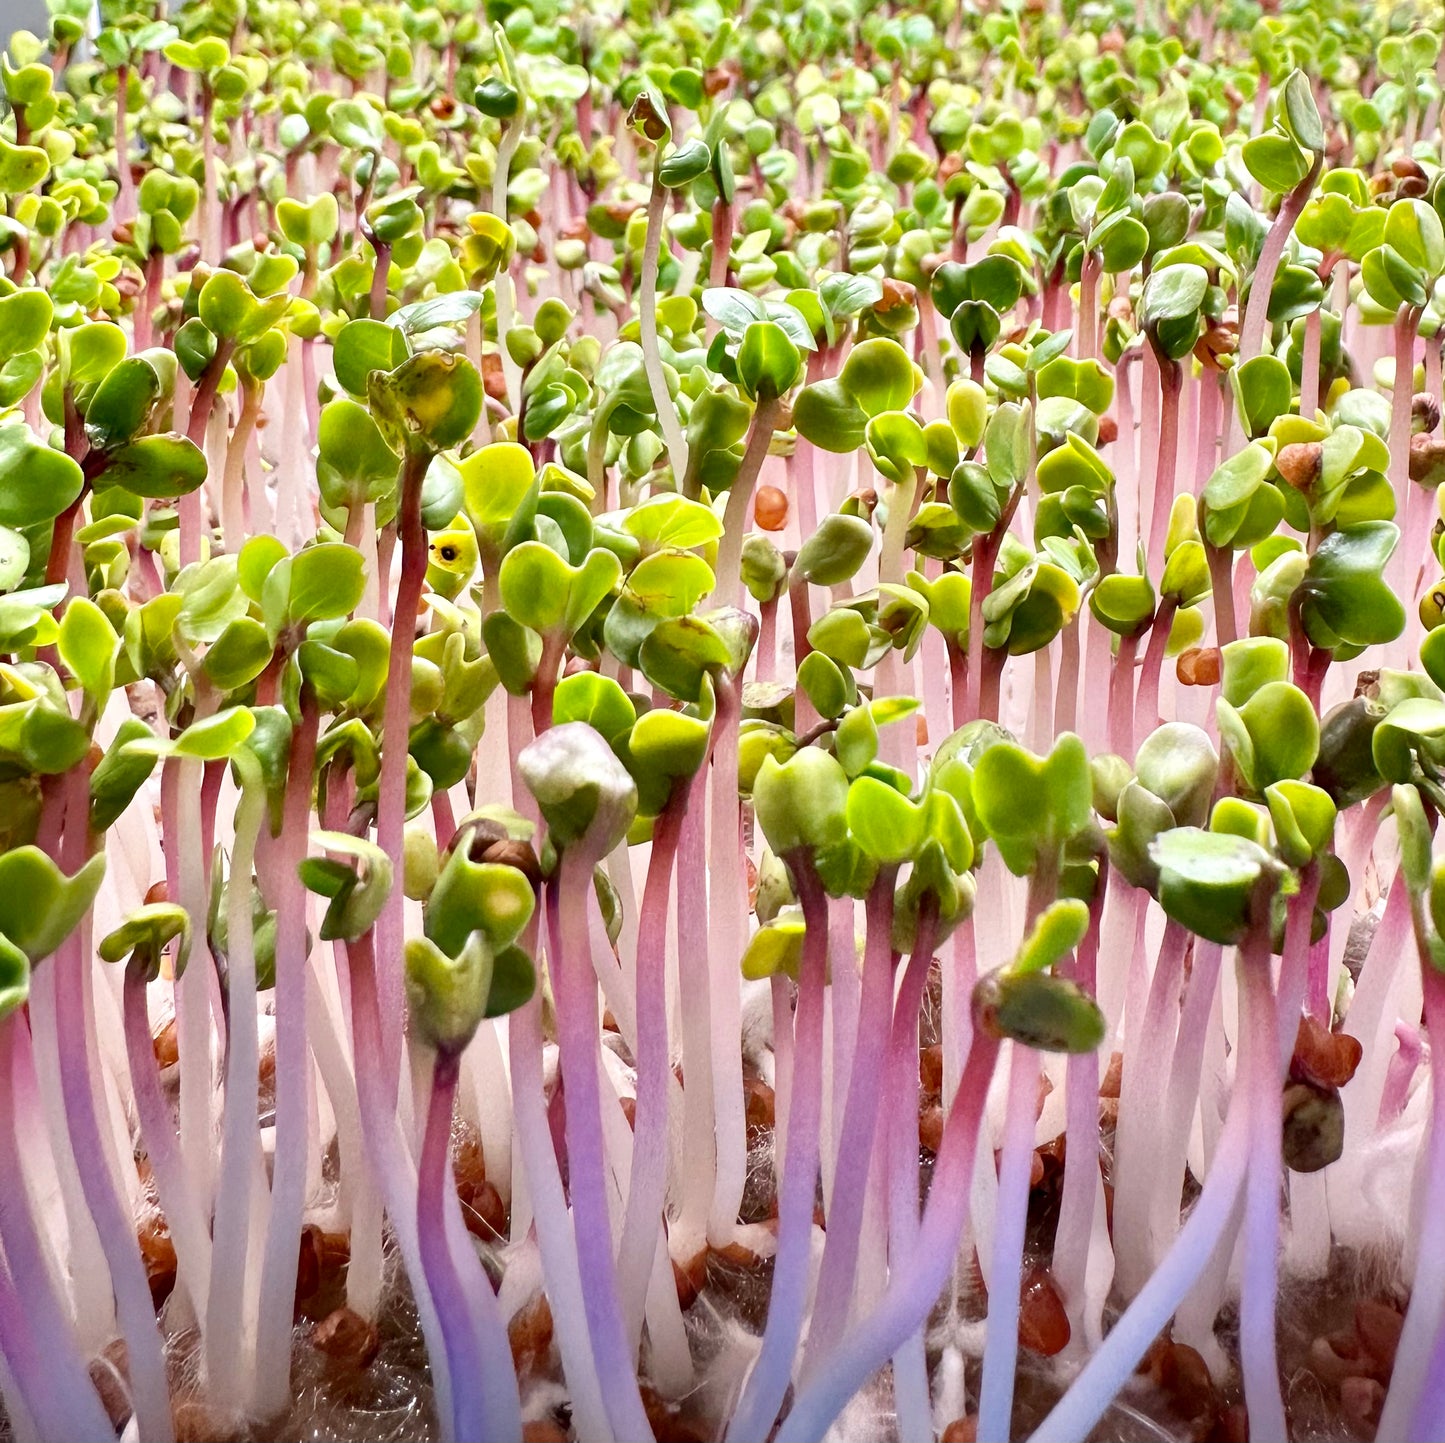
[857, 1139]
[648, 1186]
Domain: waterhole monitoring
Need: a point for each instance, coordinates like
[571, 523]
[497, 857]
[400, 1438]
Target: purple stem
[1259, 1080]
[1081, 1132]
[64, 1404]
[1112, 1365]
[189, 1228]
[1295, 960]
[1407, 552]
[1066, 692]
[1171, 383]
[647, 1189]
[1417, 1387]
[1000, 1356]
[901, 1115]
[386, 1154]
[1256, 311]
[391, 784]
[1182, 1094]
[471, 1417]
[1221, 580]
[112, 1218]
[1146, 708]
[1141, 1089]
[576, 991]
[1121, 696]
[1309, 391]
[856, 1140]
[293, 1131]
[768, 1383]
[729, 589]
[915, 1286]
[1400, 1074]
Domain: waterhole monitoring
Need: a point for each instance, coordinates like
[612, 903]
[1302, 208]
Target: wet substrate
[355, 1383]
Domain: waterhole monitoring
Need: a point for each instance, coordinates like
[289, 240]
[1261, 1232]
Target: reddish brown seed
[469, 1165]
[1336, 1356]
[1220, 339]
[1050, 1158]
[961, 1430]
[690, 1278]
[166, 1045]
[1313, 1127]
[895, 294]
[1181, 1373]
[1324, 1057]
[930, 1127]
[1300, 463]
[530, 1334]
[493, 381]
[1036, 1171]
[1427, 460]
[864, 501]
[930, 1070]
[770, 508]
[1378, 1325]
[335, 1254]
[1108, 430]
[686, 1293]
[1043, 1323]
[347, 1338]
[1361, 1400]
[308, 1263]
[158, 892]
[543, 1430]
[920, 730]
[761, 1102]
[629, 1111]
[158, 1253]
[110, 1373]
[1198, 666]
[1113, 1076]
[485, 1214]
